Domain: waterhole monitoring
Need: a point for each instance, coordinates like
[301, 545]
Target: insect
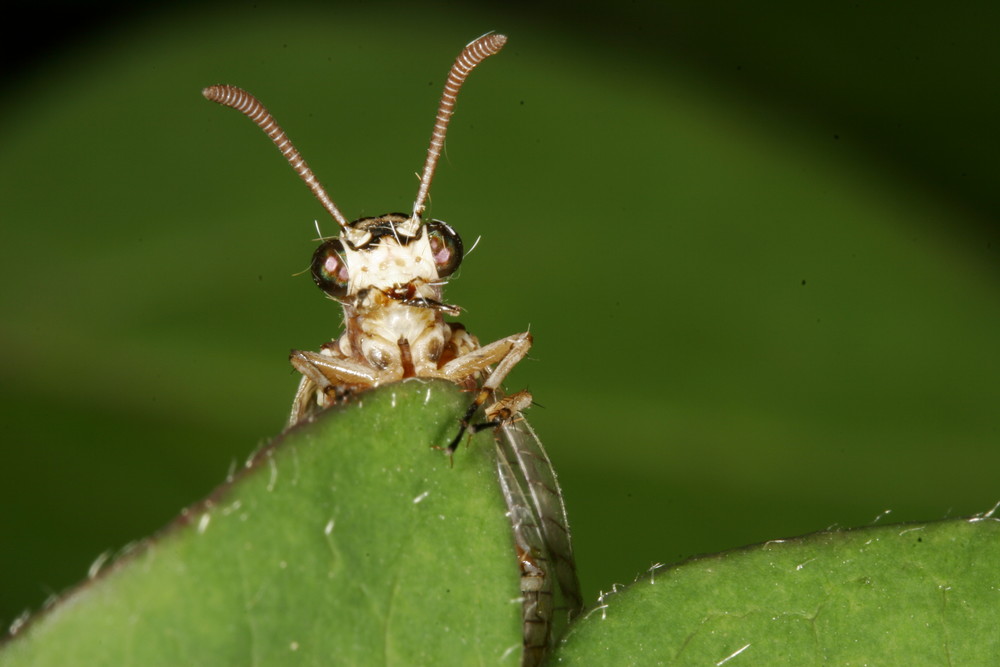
[387, 272]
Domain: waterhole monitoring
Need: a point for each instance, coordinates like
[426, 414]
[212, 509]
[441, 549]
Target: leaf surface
[925, 594]
[347, 541]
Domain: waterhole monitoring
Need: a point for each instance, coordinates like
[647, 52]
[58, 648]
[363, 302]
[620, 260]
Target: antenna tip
[491, 43]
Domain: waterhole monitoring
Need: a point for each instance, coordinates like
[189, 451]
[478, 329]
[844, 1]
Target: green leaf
[899, 594]
[348, 540]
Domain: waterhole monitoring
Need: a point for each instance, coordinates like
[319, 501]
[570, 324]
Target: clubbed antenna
[476, 52]
[250, 106]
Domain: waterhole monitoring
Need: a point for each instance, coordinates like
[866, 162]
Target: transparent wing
[541, 537]
[536, 581]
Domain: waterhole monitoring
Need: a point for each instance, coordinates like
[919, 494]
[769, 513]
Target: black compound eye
[329, 268]
[446, 245]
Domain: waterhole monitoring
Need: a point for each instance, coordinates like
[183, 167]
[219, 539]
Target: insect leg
[327, 376]
[505, 410]
[505, 353]
[304, 401]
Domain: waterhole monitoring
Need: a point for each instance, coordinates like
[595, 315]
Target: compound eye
[329, 268]
[446, 245]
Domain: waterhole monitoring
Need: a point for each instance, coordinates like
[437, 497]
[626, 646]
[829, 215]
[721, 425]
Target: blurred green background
[756, 245]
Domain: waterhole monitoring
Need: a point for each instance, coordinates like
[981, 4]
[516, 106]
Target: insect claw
[450, 449]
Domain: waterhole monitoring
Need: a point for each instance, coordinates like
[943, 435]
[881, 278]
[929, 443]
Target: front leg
[505, 353]
[323, 376]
